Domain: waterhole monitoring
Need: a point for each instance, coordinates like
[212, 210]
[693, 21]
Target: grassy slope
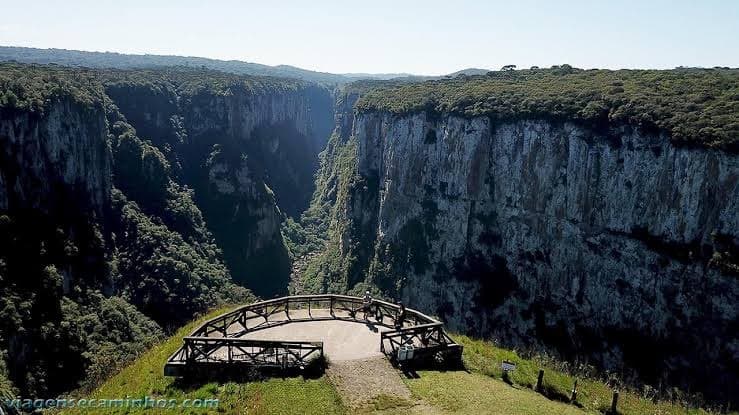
[478, 390]
[483, 360]
[276, 396]
[474, 393]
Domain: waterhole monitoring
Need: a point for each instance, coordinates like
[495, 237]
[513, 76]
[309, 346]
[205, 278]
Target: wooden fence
[217, 344]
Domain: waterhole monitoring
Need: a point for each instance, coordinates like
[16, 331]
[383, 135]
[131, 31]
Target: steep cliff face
[55, 174]
[610, 246]
[56, 161]
[249, 155]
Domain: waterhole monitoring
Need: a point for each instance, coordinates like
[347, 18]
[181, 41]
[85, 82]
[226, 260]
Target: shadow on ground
[196, 380]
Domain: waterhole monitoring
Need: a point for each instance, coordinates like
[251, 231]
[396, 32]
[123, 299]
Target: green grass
[473, 393]
[275, 396]
[484, 359]
[387, 404]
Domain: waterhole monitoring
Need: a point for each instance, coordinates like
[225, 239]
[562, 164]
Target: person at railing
[367, 303]
[401, 316]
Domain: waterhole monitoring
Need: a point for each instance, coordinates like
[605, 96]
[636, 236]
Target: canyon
[608, 245]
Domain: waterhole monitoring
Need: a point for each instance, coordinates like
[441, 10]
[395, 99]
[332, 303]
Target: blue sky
[423, 37]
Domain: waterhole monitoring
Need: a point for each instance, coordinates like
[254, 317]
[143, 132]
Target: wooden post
[540, 380]
[614, 403]
[573, 398]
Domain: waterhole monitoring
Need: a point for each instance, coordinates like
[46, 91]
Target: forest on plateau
[693, 106]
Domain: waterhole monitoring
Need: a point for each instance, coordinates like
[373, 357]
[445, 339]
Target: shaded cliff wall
[45, 159]
[55, 197]
[55, 181]
[616, 247]
[250, 158]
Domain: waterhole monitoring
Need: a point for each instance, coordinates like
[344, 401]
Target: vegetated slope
[247, 149]
[127, 200]
[504, 205]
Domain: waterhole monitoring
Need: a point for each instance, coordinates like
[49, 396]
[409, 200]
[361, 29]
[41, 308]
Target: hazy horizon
[423, 38]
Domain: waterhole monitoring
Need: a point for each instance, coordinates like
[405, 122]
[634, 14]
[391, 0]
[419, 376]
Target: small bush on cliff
[7, 390]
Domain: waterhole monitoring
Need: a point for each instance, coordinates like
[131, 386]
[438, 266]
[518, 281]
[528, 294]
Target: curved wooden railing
[217, 342]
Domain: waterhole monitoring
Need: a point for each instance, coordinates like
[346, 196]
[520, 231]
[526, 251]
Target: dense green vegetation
[163, 275]
[54, 321]
[94, 286]
[195, 128]
[322, 224]
[112, 330]
[81, 293]
[192, 83]
[32, 87]
[693, 106]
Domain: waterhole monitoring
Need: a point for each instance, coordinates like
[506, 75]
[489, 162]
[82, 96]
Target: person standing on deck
[366, 303]
[401, 316]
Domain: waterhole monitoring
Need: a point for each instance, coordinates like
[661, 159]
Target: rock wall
[57, 161]
[609, 246]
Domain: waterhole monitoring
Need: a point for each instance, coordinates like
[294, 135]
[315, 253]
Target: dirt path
[374, 385]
